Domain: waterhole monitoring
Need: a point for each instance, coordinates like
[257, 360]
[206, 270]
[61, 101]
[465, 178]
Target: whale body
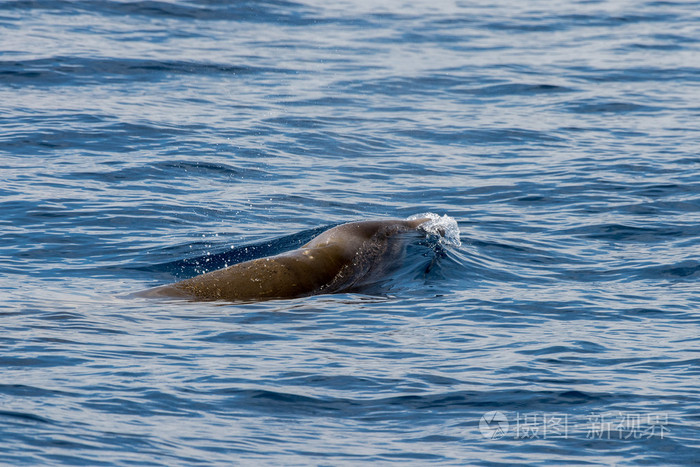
[341, 259]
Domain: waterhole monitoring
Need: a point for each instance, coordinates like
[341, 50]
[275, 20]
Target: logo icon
[493, 425]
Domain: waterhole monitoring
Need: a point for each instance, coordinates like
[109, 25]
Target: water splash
[444, 227]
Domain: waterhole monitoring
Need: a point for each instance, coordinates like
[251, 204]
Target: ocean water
[145, 142]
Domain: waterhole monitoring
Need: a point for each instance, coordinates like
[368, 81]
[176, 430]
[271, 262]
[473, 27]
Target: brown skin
[339, 259]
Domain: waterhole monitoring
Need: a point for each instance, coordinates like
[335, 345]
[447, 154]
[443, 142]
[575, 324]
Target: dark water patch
[41, 361]
[620, 20]
[577, 348]
[273, 11]
[409, 86]
[117, 137]
[147, 403]
[653, 313]
[240, 337]
[684, 270]
[637, 74]
[503, 136]
[340, 382]
[692, 366]
[629, 233]
[22, 390]
[80, 71]
[524, 26]
[514, 89]
[298, 122]
[634, 270]
[23, 417]
[677, 38]
[39, 121]
[325, 101]
[167, 170]
[592, 107]
[643, 46]
[429, 405]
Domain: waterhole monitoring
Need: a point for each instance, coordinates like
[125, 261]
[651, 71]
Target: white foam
[445, 227]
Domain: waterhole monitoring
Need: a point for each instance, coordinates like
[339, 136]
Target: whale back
[340, 259]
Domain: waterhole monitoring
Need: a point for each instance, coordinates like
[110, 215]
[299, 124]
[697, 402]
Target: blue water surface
[143, 142]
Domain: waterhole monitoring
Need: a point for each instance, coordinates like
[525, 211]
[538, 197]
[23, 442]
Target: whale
[342, 259]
